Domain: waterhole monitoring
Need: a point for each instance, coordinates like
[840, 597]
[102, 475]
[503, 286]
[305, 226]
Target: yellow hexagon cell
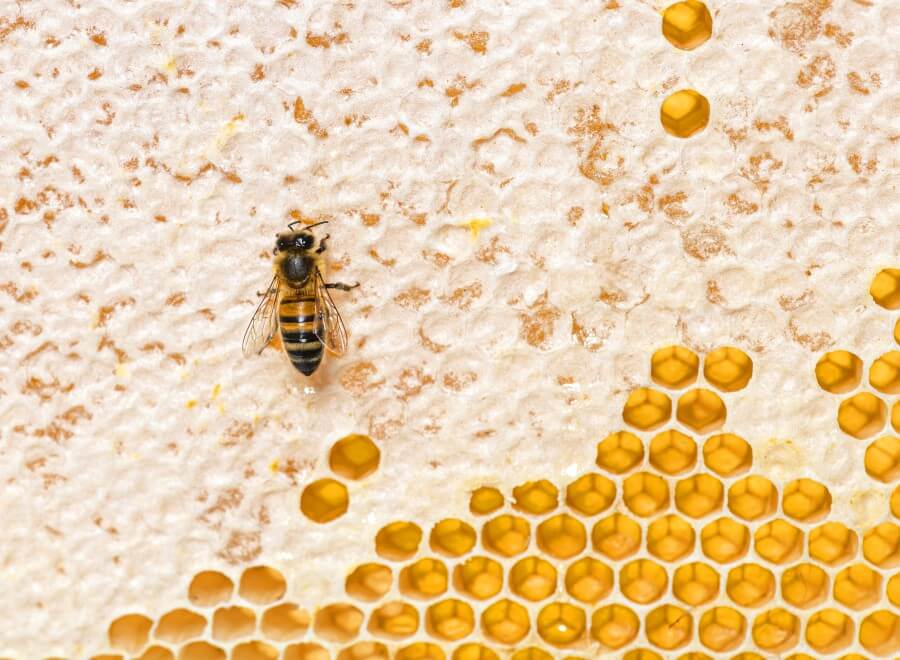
[536, 497]
[895, 416]
[893, 590]
[478, 577]
[645, 494]
[643, 581]
[620, 452]
[394, 620]
[614, 626]
[778, 541]
[672, 452]
[879, 633]
[670, 538]
[617, 536]
[684, 113]
[354, 457]
[209, 588]
[857, 587]
[506, 535]
[452, 537]
[647, 409]
[284, 622]
[750, 585]
[398, 540]
[533, 578]
[505, 622]
[201, 651]
[668, 627]
[561, 536]
[152, 653]
[701, 410]
[261, 585]
[884, 374]
[694, 655]
[590, 494]
[698, 496]
[474, 652]
[806, 500]
[674, 367]
[339, 622]
[776, 630]
[829, 631]
[752, 498]
[881, 545]
[364, 651]
[589, 580]
[324, 500]
[306, 651]
[722, 629]
[895, 502]
[724, 540]
[368, 581]
[748, 656]
[832, 543]
[426, 578]
[531, 653]
[130, 632]
[484, 500]
[804, 585]
[179, 625]
[727, 455]
[561, 624]
[839, 372]
[882, 459]
[885, 289]
[642, 654]
[862, 415]
[728, 369]
[687, 25]
[420, 651]
[450, 620]
[230, 623]
[695, 583]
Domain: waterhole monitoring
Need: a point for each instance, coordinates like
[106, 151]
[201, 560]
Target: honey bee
[298, 304]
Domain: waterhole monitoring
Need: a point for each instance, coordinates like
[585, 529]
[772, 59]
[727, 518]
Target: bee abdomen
[297, 320]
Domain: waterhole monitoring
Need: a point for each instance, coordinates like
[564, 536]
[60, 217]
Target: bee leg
[341, 286]
[322, 246]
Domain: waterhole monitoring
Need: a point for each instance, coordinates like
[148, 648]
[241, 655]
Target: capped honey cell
[857, 586]
[829, 630]
[590, 494]
[698, 496]
[234, 622]
[324, 500]
[724, 540]
[616, 536]
[722, 629]
[832, 543]
[695, 583]
[674, 367]
[645, 494]
[424, 579]
[620, 452]
[209, 588]
[398, 540]
[561, 624]
[354, 457]
[506, 535]
[505, 622]
[450, 619]
[806, 500]
[536, 497]
[750, 585]
[589, 580]
[561, 536]
[261, 585]
[752, 498]
[485, 500]
[130, 632]
[687, 25]
[839, 372]
[885, 289]
[778, 541]
[339, 622]
[862, 415]
[533, 579]
[647, 409]
[804, 585]
[369, 581]
[669, 627]
[643, 581]
[684, 113]
[881, 545]
[479, 578]
[394, 620]
[672, 452]
[728, 369]
[614, 626]
[776, 630]
[452, 537]
[670, 538]
[882, 460]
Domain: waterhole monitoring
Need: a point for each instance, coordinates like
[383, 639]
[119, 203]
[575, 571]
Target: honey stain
[476, 225]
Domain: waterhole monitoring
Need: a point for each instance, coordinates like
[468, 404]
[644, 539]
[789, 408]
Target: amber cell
[179, 625]
[368, 581]
[506, 535]
[533, 578]
[727, 455]
[672, 452]
[201, 651]
[505, 622]
[684, 113]
[879, 633]
[536, 497]
[778, 541]
[306, 651]
[284, 622]
[614, 626]
[893, 590]
[885, 289]
[670, 538]
[130, 632]
[364, 651]
[895, 502]
[750, 585]
[669, 627]
[882, 459]
[857, 587]
[895, 414]
[829, 630]
[752, 498]
[698, 496]
[620, 452]
[339, 622]
[643, 581]
[474, 652]
[152, 653]
[832, 543]
[674, 367]
[728, 369]
[561, 536]
[254, 650]
[354, 457]
[590, 494]
[394, 620]
[804, 585]
[862, 415]
[420, 651]
[561, 624]
[884, 374]
[645, 494]
[642, 654]
[701, 410]
[399, 540]
[452, 537]
[617, 536]
[230, 623]
[647, 409]
[724, 540]
[209, 588]
[531, 653]
[776, 630]
[479, 577]
[589, 580]
[806, 500]
[450, 619]
[881, 545]
[722, 629]
[695, 584]
[261, 585]
[424, 579]
[485, 500]
[839, 372]
[324, 500]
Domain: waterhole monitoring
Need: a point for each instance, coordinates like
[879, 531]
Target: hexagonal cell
[394, 620]
[698, 496]
[806, 500]
[420, 651]
[614, 626]
[647, 409]
[862, 415]
[617, 536]
[179, 625]
[209, 588]
[748, 656]
[895, 502]
[832, 543]
[728, 369]
[620, 452]
[284, 622]
[670, 538]
[674, 367]
[879, 633]
[536, 497]
[701, 410]
[829, 631]
[672, 452]
[750, 585]
[724, 540]
[727, 454]
[778, 541]
[669, 627]
[645, 494]
[354, 457]
[804, 585]
[450, 620]
[722, 629]
[369, 581]
[893, 589]
[532, 578]
[364, 651]
[881, 545]
[839, 372]
[235, 622]
[695, 583]
[883, 459]
[484, 500]
[895, 416]
[254, 651]
[642, 654]
[684, 113]
[561, 536]
[752, 498]
[643, 581]
[479, 577]
[130, 632]
[857, 587]
[424, 579]
[201, 651]
[561, 624]
[398, 541]
[474, 652]
[589, 580]
[307, 651]
[339, 622]
[452, 537]
[505, 622]
[884, 374]
[590, 494]
[506, 535]
[153, 653]
[261, 585]
[531, 653]
[776, 630]
[324, 500]
[885, 289]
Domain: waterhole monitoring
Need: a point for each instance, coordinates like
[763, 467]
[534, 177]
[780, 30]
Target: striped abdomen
[297, 319]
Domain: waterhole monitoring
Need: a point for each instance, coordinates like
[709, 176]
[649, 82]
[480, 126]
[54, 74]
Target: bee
[298, 304]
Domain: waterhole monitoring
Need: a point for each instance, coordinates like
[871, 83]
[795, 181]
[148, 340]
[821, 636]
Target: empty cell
[750, 585]
[643, 581]
[832, 543]
[424, 579]
[420, 651]
[536, 497]
[722, 629]
[695, 583]
[369, 581]
[728, 369]
[674, 367]
[179, 625]
[645, 494]
[752, 498]
[262, 585]
[235, 622]
[727, 454]
[862, 415]
[724, 540]
[829, 631]
[881, 545]
[398, 541]
[616, 536]
[479, 577]
[209, 588]
[533, 578]
[339, 622]
[806, 500]
[672, 452]
[590, 494]
[284, 622]
[778, 541]
[804, 585]
[561, 624]
[561, 536]
[884, 374]
[505, 622]
[394, 620]
[450, 619]
[589, 580]
[130, 632]
[324, 500]
[885, 288]
[201, 651]
[882, 460]
[620, 452]
[506, 535]
[839, 372]
[452, 537]
[472, 651]
[684, 113]
[776, 630]
[701, 410]
[306, 651]
[354, 457]
[364, 651]
[647, 409]
[614, 626]
[879, 633]
[254, 650]
[857, 586]
[669, 627]
[687, 25]
[670, 538]
[485, 500]
[698, 496]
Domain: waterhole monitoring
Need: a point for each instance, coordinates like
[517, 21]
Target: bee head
[295, 240]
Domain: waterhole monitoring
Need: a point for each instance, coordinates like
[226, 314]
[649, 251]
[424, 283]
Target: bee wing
[264, 323]
[329, 326]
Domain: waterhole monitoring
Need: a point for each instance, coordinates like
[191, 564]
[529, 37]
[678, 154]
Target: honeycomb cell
[261, 585]
[778, 541]
[364, 651]
[398, 541]
[882, 459]
[614, 626]
[485, 500]
[701, 410]
[450, 620]
[474, 652]
[832, 543]
[884, 374]
[647, 409]
[895, 413]
[752, 498]
[879, 633]
[684, 113]
[179, 625]
[674, 367]
[209, 588]
[895, 502]
[728, 369]
[885, 289]
[748, 656]
[617, 536]
[254, 651]
[130, 632]
[368, 581]
[698, 496]
[394, 620]
[670, 538]
[452, 537]
[505, 622]
[620, 452]
[750, 585]
[420, 651]
[479, 577]
[532, 578]
[307, 651]
[857, 587]
[643, 581]
[776, 630]
[804, 585]
[153, 653]
[645, 494]
[590, 494]
[201, 651]
[806, 500]
[897, 331]
[642, 654]
[727, 455]
[672, 452]
[230, 623]
[724, 540]
[424, 579]
[284, 622]
[695, 583]
[531, 653]
[561, 624]
[862, 415]
[589, 580]
[668, 627]
[536, 497]
[881, 545]
[506, 535]
[893, 590]
[339, 622]
[561, 536]
[829, 630]
[722, 629]
[354, 457]
[324, 500]
[839, 372]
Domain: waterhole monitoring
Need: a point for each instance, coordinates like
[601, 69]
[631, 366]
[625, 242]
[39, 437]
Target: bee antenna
[323, 222]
